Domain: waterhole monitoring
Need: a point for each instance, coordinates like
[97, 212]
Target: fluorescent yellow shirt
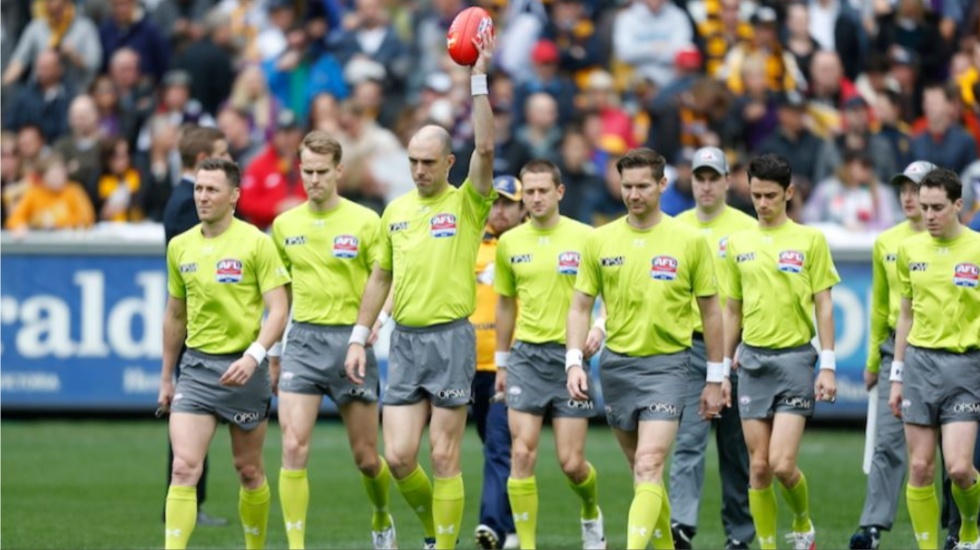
[430, 245]
[485, 316]
[717, 231]
[775, 273]
[223, 280]
[647, 279]
[942, 278]
[539, 267]
[886, 300]
[330, 256]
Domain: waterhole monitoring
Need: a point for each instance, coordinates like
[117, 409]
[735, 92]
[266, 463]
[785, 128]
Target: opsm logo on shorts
[791, 261]
[664, 268]
[345, 246]
[966, 275]
[443, 225]
[229, 270]
[568, 263]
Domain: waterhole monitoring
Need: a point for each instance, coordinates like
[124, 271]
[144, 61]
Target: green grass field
[100, 484]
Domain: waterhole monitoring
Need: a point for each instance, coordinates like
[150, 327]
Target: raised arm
[481, 163]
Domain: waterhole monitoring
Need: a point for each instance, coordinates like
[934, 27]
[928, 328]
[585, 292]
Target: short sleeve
[279, 242]
[384, 253]
[373, 242]
[732, 284]
[823, 274]
[269, 271]
[704, 281]
[503, 272]
[476, 207]
[902, 268]
[589, 279]
[175, 280]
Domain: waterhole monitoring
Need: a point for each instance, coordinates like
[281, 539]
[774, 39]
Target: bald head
[433, 133]
[124, 67]
[83, 116]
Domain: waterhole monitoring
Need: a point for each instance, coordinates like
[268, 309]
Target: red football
[467, 26]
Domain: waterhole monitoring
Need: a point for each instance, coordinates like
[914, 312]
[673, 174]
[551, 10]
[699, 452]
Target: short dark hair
[642, 158]
[771, 167]
[232, 172]
[195, 140]
[542, 166]
[944, 178]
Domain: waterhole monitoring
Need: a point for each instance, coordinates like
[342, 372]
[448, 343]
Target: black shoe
[865, 538]
[205, 520]
[951, 542]
[683, 535]
[735, 544]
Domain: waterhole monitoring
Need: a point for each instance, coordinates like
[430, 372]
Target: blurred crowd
[96, 92]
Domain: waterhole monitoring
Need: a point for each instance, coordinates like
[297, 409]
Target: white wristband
[898, 370]
[573, 358]
[478, 85]
[600, 324]
[727, 364]
[275, 350]
[383, 317]
[359, 335]
[828, 360]
[716, 372]
[501, 359]
[257, 352]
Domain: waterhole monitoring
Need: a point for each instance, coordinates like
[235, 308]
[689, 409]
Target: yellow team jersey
[330, 256]
[539, 267]
[223, 280]
[485, 315]
[886, 299]
[430, 246]
[775, 272]
[717, 231]
[942, 278]
[647, 279]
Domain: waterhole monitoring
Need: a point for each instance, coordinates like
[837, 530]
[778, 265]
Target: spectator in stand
[108, 113]
[12, 183]
[753, 116]
[135, 93]
[272, 184]
[161, 166]
[52, 201]
[43, 102]
[943, 142]
[600, 95]
[647, 36]
[572, 30]
[521, 23]
[914, 28]
[781, 70]
[509, 156]
[370, 34]
[208, 60]
[376, 166]
[122, 193]
[857, 137]
[891, 128]
[369, 94]
[836, 26]
[540, 134]
[798, 40]
[904, 69]
[57, 25]
[697, 118]
[129, 27]
[721, 29]
[829, 90]
[794, 141]
[875, 79]
[242, 146]
[297, 74]
[31, 147]
[181, 21]
[80, 148]
[250, 94]
[546, 78]
[429, 46]
[854, 199]
[578, 175]
[679, 194]
[175, 108]
[325, 114]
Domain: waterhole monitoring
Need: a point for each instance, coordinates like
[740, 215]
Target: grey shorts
[940, 387]
[313, 363]
[536, 382]
[643, 388]
[199, 392]
[435, 363]
[774, 381]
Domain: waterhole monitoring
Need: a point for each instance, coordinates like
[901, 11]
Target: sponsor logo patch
[229, 270]
[747, 257]
[966, 275]
[614, 261]
[188, 268]
[664, 268]
[791, 261]
[918, 266]
[442, 225]
[397, 226]
[568, 263]
[345, 246]
[520, 259]
[294, 241]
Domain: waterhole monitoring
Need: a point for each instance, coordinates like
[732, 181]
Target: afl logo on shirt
[443, 225]
[723, 248]
[663, 268]
[966, 275]
[345, 246]
[229, 271]
[568, 263]
[791, 261]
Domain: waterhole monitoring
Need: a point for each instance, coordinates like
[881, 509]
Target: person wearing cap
[779, 280]
[643, 258]
[536, 267]
[272, 183]
[888, 461]
[935, 383]
[716, 221]
[496, 523]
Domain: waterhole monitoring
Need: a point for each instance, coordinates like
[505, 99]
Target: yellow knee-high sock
[798, 498]
[663, 539]
[181, 516]
[924, 513]
[523, 496]
[588, 491]
[448, 498]
[253, 507]
[644, 511]
[417, 492]
[968, 502]
[294, 496]
[762, 505]
[377, 491]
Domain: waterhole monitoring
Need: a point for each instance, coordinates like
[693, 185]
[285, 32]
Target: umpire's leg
[733, 464]
[950, 513]
[687, 463]
[888, 463]
[491, 422]
[202, 484]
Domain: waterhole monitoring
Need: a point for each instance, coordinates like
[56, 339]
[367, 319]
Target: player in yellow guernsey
[536, 266]
[489, 412]
[648, 267]
[888, 459]
[221, 275]
[936, 372]
[716, 221]
[330, 245]
[430, 238]
[779, 274]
